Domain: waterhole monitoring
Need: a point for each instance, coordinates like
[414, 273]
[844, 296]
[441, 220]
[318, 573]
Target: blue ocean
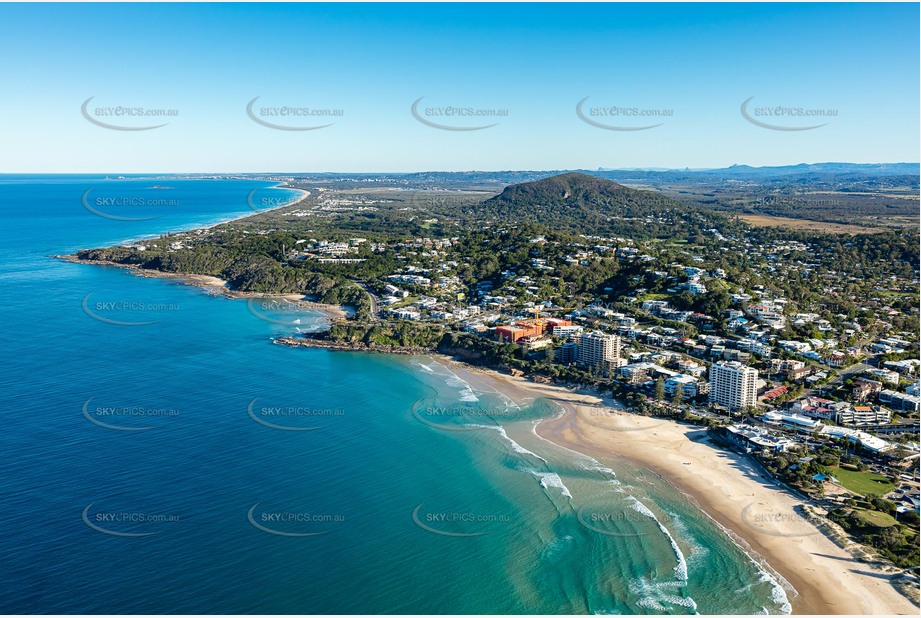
[162, 455]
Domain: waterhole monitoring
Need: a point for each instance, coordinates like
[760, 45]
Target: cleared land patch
[809, 225]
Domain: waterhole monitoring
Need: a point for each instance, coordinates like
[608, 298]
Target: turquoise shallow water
[189, 465]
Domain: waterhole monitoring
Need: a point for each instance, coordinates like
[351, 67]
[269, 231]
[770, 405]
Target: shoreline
[197, 226]
[217, 286]
[728, 487]
[281, 185]
[323, 344]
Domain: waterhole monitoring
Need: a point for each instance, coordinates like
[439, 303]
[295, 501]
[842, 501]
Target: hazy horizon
[461, 171]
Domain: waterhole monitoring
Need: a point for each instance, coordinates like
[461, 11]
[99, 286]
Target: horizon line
[470, 171]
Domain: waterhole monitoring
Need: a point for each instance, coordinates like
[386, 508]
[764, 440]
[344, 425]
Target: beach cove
[753, 508]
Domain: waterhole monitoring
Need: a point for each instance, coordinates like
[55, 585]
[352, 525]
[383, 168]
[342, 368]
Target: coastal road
[843, 374]
[371, 297]
[847, 372]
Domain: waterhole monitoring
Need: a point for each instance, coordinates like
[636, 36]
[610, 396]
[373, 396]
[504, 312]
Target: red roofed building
[774, 393]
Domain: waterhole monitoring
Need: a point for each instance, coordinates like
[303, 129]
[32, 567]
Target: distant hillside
[581, 203]
[749, 172]
[862, 169]
[908, 172]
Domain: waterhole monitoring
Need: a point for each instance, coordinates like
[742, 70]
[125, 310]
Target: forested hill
[576, 202]
[568, 186]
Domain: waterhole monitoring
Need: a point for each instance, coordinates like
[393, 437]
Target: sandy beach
[217, 285]
[755, 510]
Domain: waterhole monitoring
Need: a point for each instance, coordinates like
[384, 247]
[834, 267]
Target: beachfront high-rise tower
[600, 350]
[733, 385]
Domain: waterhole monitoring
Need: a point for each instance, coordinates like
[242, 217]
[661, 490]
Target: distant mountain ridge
[867, 169]
[828, 172]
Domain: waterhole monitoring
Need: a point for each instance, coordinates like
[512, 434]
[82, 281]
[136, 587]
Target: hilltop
[582, 203]
[567, 186]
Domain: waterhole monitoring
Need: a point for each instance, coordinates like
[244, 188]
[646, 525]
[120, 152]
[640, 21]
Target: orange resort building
[529, 328]
[550, 324]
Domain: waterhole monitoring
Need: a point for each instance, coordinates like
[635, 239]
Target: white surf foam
[682, 601]
[651, 603]
[698, 551]
[659, 585]
[778, 588]
[515, 446]
[585, 461]
[681, 566]
[778, 594]
[658, 595]
[509, 404]
[641, 508]
[552, 479]
[466, 393]
[481, 388]
[455, 381]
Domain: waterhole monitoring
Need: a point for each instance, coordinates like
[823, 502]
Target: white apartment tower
[733, 385]
[597, 349]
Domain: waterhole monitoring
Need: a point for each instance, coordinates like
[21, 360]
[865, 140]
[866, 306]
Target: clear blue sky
[536, 61]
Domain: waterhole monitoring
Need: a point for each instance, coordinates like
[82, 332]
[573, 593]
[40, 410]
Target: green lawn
[654, 296]
[404, 302]
[862, 483]
[875, 518]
